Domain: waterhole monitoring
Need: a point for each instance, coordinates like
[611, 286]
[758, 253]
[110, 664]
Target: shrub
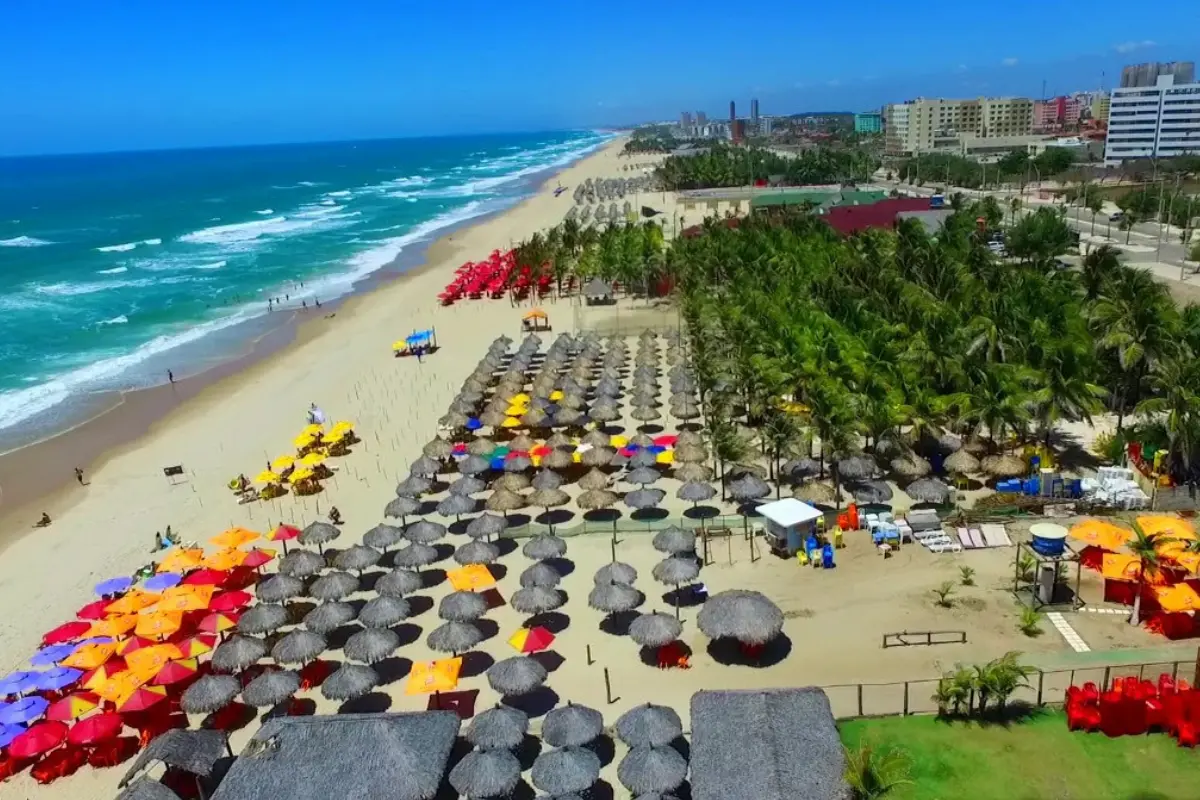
[967, 576]
[1030, 622]
[873, 773]
[943, 595]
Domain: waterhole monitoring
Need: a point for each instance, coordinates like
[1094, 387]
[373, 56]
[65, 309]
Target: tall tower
[732, 112]
[754, 111]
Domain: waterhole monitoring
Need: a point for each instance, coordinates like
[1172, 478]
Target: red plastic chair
[1156, 714]
[58, 764]
[1187, 735]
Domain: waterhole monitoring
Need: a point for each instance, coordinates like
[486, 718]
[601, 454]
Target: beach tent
[789, 523]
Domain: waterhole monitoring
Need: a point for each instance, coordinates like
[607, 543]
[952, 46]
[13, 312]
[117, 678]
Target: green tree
[1094, 204]
[1014, 205]
[1099, 266]
[1175, 403]
[1145, 548]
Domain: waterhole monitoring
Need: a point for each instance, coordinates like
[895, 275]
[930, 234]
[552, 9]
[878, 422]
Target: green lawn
[1037, 759]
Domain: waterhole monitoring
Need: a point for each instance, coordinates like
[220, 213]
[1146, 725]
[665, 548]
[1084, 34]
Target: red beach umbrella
[258, 557]
[99, 728]
[196, 645]
[133, 643]
[73, 706]
[66, 632]
[93, 610]
[175, 671]
[206, 577]
[41, 738]
[142, 698]
[219, 622]
[230, 601]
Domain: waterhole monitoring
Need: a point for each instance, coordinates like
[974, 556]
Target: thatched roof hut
[535, 600]
[381, 537]
[486, 773]
[145, 789]
[675, 540]
[328, 617]
[746, 746]
[263, 618]
[486, 525]
[196, 752]
[516, 676]
[299, 646]
[400, 756]
[571, 725]
[278, 588]
[499, 727]
[612, 598]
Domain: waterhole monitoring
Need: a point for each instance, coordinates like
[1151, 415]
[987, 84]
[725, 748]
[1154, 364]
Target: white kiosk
[789, 523]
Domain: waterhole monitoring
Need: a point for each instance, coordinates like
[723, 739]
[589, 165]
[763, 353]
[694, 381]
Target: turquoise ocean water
[117, 267]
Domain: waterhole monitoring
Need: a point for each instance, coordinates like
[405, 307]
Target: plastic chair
[837, 540]
[827, 556]
[802, 558]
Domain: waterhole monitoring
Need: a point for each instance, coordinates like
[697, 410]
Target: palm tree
[1144, 547]
[1098, 267]
[1129, 218]
[1094, 204]
[1176, 402]
[1014, 205]
[1065, 393]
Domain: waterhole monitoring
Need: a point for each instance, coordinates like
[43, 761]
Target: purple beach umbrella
[23, 711]
[113, 586]
[18, 683]
[163, 580]
[53, 680]
[49, 656]
[8, 733]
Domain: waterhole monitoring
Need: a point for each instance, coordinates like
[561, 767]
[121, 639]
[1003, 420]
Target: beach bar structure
[402, 756]
[789, 523]
[779, 744]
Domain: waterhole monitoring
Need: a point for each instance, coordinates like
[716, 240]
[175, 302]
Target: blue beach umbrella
[473, 424]
[113, 586]
[25, 710]
[58, 678]
[48, 656]
[18, 683]
[8, 733]
[94, 640]
[163, 580]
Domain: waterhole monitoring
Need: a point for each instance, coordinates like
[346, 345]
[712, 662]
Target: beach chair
[827, 556]
[837, 540]
[802, 558]
[964, 537]
[976, 538]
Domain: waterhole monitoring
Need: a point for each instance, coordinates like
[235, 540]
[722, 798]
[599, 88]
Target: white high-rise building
[1159, 121]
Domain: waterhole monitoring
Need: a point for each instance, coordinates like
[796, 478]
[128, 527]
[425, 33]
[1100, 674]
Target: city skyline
[145, 75]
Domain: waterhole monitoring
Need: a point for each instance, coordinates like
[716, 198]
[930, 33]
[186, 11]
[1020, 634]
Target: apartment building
[1159, 121]
[1057, 113]
[936, 123]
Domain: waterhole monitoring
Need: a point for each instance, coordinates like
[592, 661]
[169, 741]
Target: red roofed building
[851, 219]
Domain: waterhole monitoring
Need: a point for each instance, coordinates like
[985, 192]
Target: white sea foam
[68, 289]
[309, 183]
[152, 241]
[343, 193]
[113, 271]
[121, 320]
[117, 248]
[214, 265]
[266, 212]
[329, 202]
[24, 241]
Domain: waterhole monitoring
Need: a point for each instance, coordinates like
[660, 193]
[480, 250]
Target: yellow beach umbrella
[181, 560]
[303, 440]
[342, 425]
[399, 345]
[282, 463]
[225, 560]
[510, 422]
[266, 476]
[234, 537]
[314, 429]
[519, 399]
[556, 395]
[618, 441]
[311, 460]
[333, 437]
[301, 474]
[665, 457]
[516, 409]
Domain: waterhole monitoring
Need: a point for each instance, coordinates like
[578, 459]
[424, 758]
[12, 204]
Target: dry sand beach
[834, 619]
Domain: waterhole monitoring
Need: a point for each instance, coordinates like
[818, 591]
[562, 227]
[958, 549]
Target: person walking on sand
[170, 376]
[79, 475]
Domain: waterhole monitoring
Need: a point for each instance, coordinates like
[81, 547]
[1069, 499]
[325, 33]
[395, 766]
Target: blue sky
[81, 75]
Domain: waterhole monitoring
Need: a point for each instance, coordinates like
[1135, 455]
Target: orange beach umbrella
[182, 598]
[234, 537]
[181, 560]
[225, 560]
[1177, 598]
[121, 685]
[132, 603]
[471, 578]
[149, 660]
[1167, 526]
[113, 626]
[90, 656]
[162, 624]
[1099, 533]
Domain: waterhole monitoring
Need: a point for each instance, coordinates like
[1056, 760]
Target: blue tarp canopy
[419, 338]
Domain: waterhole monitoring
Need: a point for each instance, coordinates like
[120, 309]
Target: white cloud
[962, 68]
[1129, 47]
[835, 82]
[1009, 62]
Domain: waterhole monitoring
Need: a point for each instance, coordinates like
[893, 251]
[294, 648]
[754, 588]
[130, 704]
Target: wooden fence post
[905, 712]
[860, 706]
[608, 688]
[1041, 682]
[589, 656]
[1107, 675]
[1196, 671]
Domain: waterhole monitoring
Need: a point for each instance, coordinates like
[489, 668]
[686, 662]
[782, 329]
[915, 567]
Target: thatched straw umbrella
[454, 637]
[453, 421]
[371, 645]
[655, 629]
[401, 507]
[976, 446]
[649, 725]
[613, 598]
[399, 582]
[1005, 466]
[511, 482]
[299, 647]
[565, 418]
[301, 564]
[690, 454]
[263, 618]
[594, 479]
[749, 487]
[596, 439]
[415, 555]
[318, 533]
[424, 532]
[652, 769]
[910, 467]
[462, 607]
[439, 449]
[548, 498]
[645, 413]
[333, 586]
[210, 693]
[643, 459]
[675, 540]
[516, 676]
[413, 486]
[693, 473]
[571, 725]
[604, 413]
[535, 418]
[872, 492]
[643, 476]
[467, 485]
[486, 526]
[477, 552]
[381, 537]
[486, 773]
[814, 492]
[800, 468]
[855, 468]
[960, 462]
[497, 728]
[558, 440]
[535, 600]
[456, 505]
[349, 681]
[642, 499]
[685, 411]
[676, 570]
[357, 558]
[545, 479]
[474, 465]
[596, 499]
[543, 547]
[540, 574]
[598, 456]
[271, 688]
[328, 617]
[558, 460]
[482, 447]
[238, 652]
[384, 611]
[689, 437]
[928, 490]
[504, 501]
[615, 572]
[739, 614]
[279, 588]
[566, 771]
[696, 492]
[425, 467]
